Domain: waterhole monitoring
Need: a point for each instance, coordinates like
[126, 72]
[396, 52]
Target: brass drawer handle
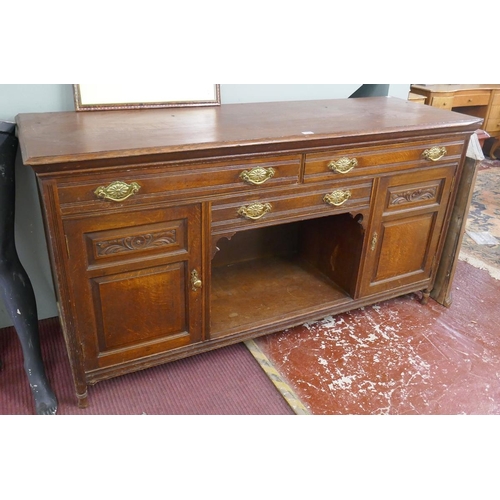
[255, 210]
[196, 283]
[343, 165]
[257, 175]
[117, 191]
[434, 154]
[337, 198]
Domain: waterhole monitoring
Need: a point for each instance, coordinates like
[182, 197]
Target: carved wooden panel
[136, 241]
[410, 196]
[413, 196]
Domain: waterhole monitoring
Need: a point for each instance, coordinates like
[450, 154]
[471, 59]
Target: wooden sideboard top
[60, 137]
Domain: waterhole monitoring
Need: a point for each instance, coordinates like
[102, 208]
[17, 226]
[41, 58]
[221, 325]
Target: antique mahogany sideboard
[175, 231]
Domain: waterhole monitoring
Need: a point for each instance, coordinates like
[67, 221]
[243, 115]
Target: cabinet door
[404, 236]
[136, 283]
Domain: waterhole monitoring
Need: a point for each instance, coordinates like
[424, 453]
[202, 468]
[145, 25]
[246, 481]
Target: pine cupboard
[173, 232]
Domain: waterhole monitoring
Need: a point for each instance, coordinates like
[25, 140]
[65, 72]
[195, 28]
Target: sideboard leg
[425, 297]
[83, 401]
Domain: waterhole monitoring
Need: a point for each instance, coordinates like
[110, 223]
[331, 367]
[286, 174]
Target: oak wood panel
[127, 333]
[404, 247]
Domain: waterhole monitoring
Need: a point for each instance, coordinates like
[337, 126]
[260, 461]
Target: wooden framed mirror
[100, 97]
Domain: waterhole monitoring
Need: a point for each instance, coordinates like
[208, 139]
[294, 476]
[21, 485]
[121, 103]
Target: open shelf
[261, 276]
[249, 294]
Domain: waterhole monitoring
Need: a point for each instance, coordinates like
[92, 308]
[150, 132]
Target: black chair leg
[15, 285]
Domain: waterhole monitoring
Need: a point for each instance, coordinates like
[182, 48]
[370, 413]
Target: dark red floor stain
[400, 357]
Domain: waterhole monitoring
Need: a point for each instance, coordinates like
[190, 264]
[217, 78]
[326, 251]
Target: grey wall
[34, 98]
[29, 98]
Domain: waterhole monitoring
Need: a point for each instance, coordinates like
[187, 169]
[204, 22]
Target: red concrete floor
[400, 357]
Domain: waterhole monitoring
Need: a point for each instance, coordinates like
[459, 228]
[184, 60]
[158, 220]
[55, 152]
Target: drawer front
[480, 98]
[442, 102]
[145, 183]
[345, 163]
[249, 211]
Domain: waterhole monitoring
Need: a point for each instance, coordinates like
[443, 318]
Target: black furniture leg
[15, 285]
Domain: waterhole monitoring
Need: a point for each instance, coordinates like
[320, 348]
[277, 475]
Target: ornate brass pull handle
[255, 210]
[343, 165]
[257, 175]
[434, 154]
[374, 242]
[117, 191]
[337, 198]
[196, 283]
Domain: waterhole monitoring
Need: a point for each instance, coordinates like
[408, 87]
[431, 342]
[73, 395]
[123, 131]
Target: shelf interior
[260, 276]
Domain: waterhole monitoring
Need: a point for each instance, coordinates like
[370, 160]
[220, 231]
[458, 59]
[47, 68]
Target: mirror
[99, 97]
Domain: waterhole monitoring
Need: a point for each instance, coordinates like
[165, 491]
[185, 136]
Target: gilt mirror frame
[105, 97]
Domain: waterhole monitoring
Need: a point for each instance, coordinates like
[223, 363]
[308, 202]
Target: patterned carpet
[484, 220]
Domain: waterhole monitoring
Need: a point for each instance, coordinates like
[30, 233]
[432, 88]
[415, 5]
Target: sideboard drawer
[133, 185]
[340, 163]
[248, 211]
[479, 98]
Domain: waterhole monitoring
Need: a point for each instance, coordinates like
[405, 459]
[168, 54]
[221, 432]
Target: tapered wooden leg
[83, 401]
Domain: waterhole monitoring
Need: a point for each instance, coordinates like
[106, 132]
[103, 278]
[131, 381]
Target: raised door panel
[405, 232]
[132, 283]
[404, 247]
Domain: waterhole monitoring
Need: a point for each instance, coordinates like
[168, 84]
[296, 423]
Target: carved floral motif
[412, 196]
[138, 242]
